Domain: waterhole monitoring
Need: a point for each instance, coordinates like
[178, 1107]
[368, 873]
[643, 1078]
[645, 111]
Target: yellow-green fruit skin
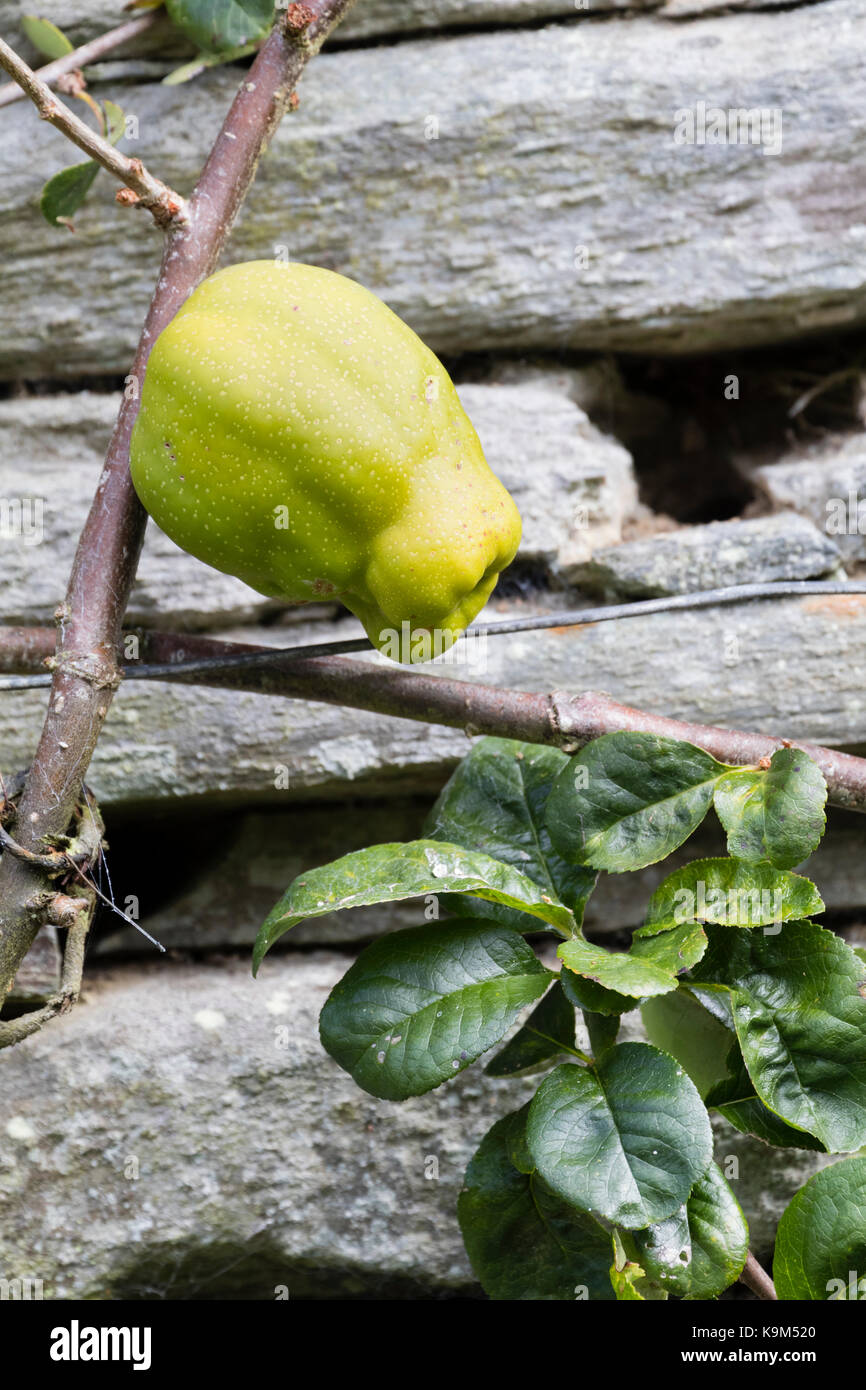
[294, 432]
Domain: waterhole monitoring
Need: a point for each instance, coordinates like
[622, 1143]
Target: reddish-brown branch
[86, 669]
[756, 1278]
[566, 721]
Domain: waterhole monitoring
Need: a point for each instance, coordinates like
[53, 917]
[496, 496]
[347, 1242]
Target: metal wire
[279, 656]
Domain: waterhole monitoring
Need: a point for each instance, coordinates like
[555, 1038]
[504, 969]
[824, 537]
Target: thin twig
[162, 202]
[80, 57]
[17, 1029]
[756, 1278]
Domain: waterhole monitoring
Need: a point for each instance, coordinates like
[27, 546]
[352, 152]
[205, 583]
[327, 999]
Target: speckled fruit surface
[294, 432]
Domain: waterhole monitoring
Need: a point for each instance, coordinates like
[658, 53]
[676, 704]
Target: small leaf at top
[214, 25]
[775, 813]
[50, 41]
[629, 799]
[418, 1006]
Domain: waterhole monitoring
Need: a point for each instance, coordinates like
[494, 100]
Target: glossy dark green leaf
[64, 193]
[586, 994]
[699, 1251]
[730, 893]
[548, 1030]
[494, 802]
[626, 1139]
[776, 813]
[720, 1236]
[664, 1250]
[523, 1241]
[214, 25]
[602, 1030]
[734, 1096]
[389, 873]
[629, 799]
[418, 1006]
[821, 1240]
[800, 1017]
[679, 1024]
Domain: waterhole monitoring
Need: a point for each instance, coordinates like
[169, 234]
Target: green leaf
[735, 1098]
[207, 60]
[821, 1240]
[495, 802]
[730, 893]
[680, 1025]
[419, 1005]
[523, 1241]
[616, 970]
[390, 873]
[637, 972]
[64, 193]
[547, 1032]
[602, 1030]
[629, 1279]
[719, 1233]
[50, 41]
[586, 994]
[626, 1139]
[800, 1017]
[115, 121]
[699, 1251]
[674, 950]
[774, 814]
[214, 25]
[664, 1250]
[629, 799]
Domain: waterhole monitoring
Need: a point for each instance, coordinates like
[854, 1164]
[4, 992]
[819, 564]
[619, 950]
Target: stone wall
[629, 322]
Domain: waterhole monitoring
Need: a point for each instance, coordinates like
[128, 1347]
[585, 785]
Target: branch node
[298, 18]
[102, 675]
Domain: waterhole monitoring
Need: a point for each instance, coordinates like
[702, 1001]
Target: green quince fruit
[294, 432]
